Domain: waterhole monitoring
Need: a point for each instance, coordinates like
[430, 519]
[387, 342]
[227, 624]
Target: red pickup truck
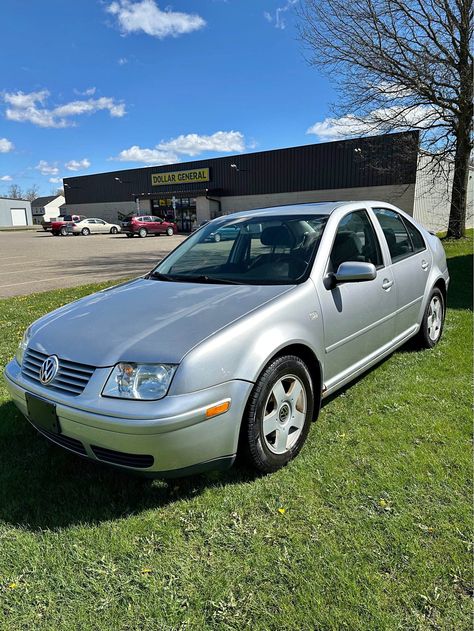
[60, 225]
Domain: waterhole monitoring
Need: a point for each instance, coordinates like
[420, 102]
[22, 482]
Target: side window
[395, 232]
[355, 241]
[415, 235]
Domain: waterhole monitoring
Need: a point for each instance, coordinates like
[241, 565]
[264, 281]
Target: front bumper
[172, 437]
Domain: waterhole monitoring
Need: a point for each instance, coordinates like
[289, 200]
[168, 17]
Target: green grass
[370, 528]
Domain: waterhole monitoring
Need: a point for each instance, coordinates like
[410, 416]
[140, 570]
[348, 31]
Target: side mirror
[355, 272]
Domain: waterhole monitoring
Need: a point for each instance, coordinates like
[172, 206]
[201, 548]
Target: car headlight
[20, 351]
[146, 382]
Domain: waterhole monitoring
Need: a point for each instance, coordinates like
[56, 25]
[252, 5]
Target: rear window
[415, 236]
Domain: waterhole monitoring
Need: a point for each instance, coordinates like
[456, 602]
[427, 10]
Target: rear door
[91, 224]
[410, 264]
[358, 317]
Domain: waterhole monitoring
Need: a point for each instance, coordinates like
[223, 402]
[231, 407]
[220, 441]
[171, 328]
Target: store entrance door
[181, 210]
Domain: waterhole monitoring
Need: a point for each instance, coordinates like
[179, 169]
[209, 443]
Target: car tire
[217, 238]
[278, 414]
[170, 231]
[63, 232]
[142, 233]
[85, 232]
[432, 324]
[113, 230]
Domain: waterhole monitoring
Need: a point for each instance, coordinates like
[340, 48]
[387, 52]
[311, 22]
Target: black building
[381, 167]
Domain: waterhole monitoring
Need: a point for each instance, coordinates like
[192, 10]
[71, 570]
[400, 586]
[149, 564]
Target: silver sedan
[232, 344]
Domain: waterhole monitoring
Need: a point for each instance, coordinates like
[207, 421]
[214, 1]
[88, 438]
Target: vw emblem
[49, 370]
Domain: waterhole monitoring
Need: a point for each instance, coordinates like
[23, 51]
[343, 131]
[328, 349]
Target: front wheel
[432, 324]
[142, 233]
[113, 230]
[279, 413]
[170, 231]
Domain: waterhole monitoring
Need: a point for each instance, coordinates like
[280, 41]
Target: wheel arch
[312, 362]
[441, 285]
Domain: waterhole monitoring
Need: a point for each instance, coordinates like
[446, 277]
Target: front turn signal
[220, 408]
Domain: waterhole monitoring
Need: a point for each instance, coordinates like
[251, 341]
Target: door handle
[424, 265]
[387, 284]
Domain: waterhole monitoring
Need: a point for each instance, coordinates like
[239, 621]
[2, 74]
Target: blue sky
[93, 86]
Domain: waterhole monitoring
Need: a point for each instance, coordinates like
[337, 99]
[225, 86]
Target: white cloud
[278, 19]
[77, 165]
[172, 150]
[145, 16]
[148, 156]
[122, 61]
[6, 178]
[194, 144]
[29, 107]
[47, 169]
[380, 120]
[6, 145]
[87, 92]
[55, 180]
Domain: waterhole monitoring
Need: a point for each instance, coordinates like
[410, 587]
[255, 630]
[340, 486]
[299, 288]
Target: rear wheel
[142, 233]
[113, 230]
[85, 232]
[432, 324]
[170, 231]
[63, 232]
[279, 413]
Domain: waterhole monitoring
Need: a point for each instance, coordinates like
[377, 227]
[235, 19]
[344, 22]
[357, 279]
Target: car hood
[145, 320]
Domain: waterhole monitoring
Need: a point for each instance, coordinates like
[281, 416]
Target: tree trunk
[457, 214]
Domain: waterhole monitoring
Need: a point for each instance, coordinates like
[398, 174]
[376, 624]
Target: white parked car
[94, 226]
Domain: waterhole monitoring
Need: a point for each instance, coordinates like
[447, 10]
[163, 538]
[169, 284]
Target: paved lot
[36, 261]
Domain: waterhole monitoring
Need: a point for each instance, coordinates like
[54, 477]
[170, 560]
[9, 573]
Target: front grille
[71, 379]
[65, 441]
[138, 461]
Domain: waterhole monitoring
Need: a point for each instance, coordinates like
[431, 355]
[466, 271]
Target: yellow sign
[180, 177]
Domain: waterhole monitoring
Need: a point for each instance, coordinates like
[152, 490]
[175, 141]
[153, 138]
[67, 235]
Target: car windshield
[263, 250]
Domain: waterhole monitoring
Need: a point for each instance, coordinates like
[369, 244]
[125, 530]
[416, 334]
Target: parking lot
[36, 261]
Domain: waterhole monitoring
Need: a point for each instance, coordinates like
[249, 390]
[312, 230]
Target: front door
[357, 316]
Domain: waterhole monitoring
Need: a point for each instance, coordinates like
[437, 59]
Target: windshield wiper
[204, 278]
[158, 276]
[188, 278]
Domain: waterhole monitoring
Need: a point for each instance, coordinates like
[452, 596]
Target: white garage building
[15, 212]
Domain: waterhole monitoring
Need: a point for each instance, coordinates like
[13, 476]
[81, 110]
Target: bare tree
[399, 65]
[32, 193]
[15, 192]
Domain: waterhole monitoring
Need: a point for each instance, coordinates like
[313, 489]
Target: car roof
[319, 208]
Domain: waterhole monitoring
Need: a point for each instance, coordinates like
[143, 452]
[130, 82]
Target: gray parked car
[232, 344]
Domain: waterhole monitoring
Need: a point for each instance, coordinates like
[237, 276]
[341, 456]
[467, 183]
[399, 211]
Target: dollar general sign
[180, 177]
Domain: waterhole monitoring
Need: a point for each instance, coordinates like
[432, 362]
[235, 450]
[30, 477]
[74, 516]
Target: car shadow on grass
[45, 487]
[460, 294]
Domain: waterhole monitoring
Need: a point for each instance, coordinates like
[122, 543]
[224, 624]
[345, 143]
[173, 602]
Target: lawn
[370, 528]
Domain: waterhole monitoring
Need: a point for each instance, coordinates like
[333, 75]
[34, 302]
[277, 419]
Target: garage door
[18, 216]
